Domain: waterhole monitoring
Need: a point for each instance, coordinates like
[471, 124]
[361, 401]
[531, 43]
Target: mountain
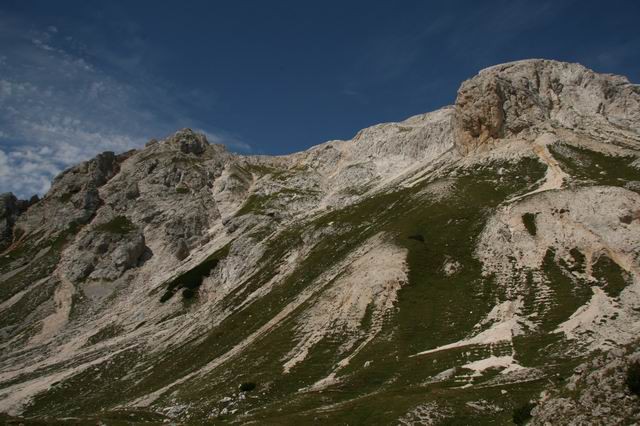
[478, 264]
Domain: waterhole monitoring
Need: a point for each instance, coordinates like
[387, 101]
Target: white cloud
[58, 107]
[232, 142]
[56, 110]
[26, 172]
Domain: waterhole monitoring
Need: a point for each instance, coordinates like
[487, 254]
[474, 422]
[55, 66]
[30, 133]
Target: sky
[81, 77]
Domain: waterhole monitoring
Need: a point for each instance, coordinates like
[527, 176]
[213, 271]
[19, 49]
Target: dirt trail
[555, 176]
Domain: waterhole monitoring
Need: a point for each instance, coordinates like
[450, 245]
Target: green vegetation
[633, 378]
[182, 190]
[259, 203]
[91, 391]
[191, 280]
[24, 270]
[610, 276]
[595, 167]
[433, 309]
[567, 294]
[118, 225]
[105, 333]
[579, 260]
[577, 263]
[32, 299]
[21, 268]
[247, 387]
[66, 197]
[275, 173]
[523, 413]
[260, 169]
[529, 220]
[254, 204]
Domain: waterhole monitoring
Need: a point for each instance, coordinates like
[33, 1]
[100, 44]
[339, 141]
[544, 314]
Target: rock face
[525, 97]
[74, 197]
[596, 393]
[454, 267]
[10, 209]
[189, 142]
[107, 251]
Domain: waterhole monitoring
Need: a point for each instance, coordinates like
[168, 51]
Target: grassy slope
[433, 309]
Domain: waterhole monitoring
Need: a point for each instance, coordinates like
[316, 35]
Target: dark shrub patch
[626, 219]
[190, 280]
[577, 256]
[65, 197]
[417, 237]
[523, 413]
[247, 387]
[633, 378]
[117, 225]
[611, 277]
[579, 261]
[529, 220]
[104, 334]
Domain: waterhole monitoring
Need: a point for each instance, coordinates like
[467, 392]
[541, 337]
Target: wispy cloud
[232, 142]
[59, 105]
[56, 110]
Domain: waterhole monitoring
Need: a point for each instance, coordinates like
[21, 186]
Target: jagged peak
[189, 141]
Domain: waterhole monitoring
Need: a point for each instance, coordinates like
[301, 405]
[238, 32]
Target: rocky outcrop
[74, 197]
[106, 251]
[515, 99]
[189, 142]
[8, 214]
[596, 393]
[10, 208]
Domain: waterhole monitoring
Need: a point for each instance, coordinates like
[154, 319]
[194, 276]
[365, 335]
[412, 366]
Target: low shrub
[191, 280]
[417, 237]
[188, 293]
[117, 225]
[523, 413]
[529, 220]
[633, 378]
[247, 387]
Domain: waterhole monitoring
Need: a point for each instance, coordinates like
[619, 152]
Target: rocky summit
[479, 264]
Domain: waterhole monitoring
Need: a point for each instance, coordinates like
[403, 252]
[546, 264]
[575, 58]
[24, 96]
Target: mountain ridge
[492, 237]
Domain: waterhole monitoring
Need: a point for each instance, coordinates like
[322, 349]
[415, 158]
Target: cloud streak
[58, 107]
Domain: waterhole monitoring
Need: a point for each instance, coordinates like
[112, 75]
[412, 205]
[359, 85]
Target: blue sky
[81, 77]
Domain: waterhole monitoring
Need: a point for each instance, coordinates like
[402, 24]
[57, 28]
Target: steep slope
[445, 268]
